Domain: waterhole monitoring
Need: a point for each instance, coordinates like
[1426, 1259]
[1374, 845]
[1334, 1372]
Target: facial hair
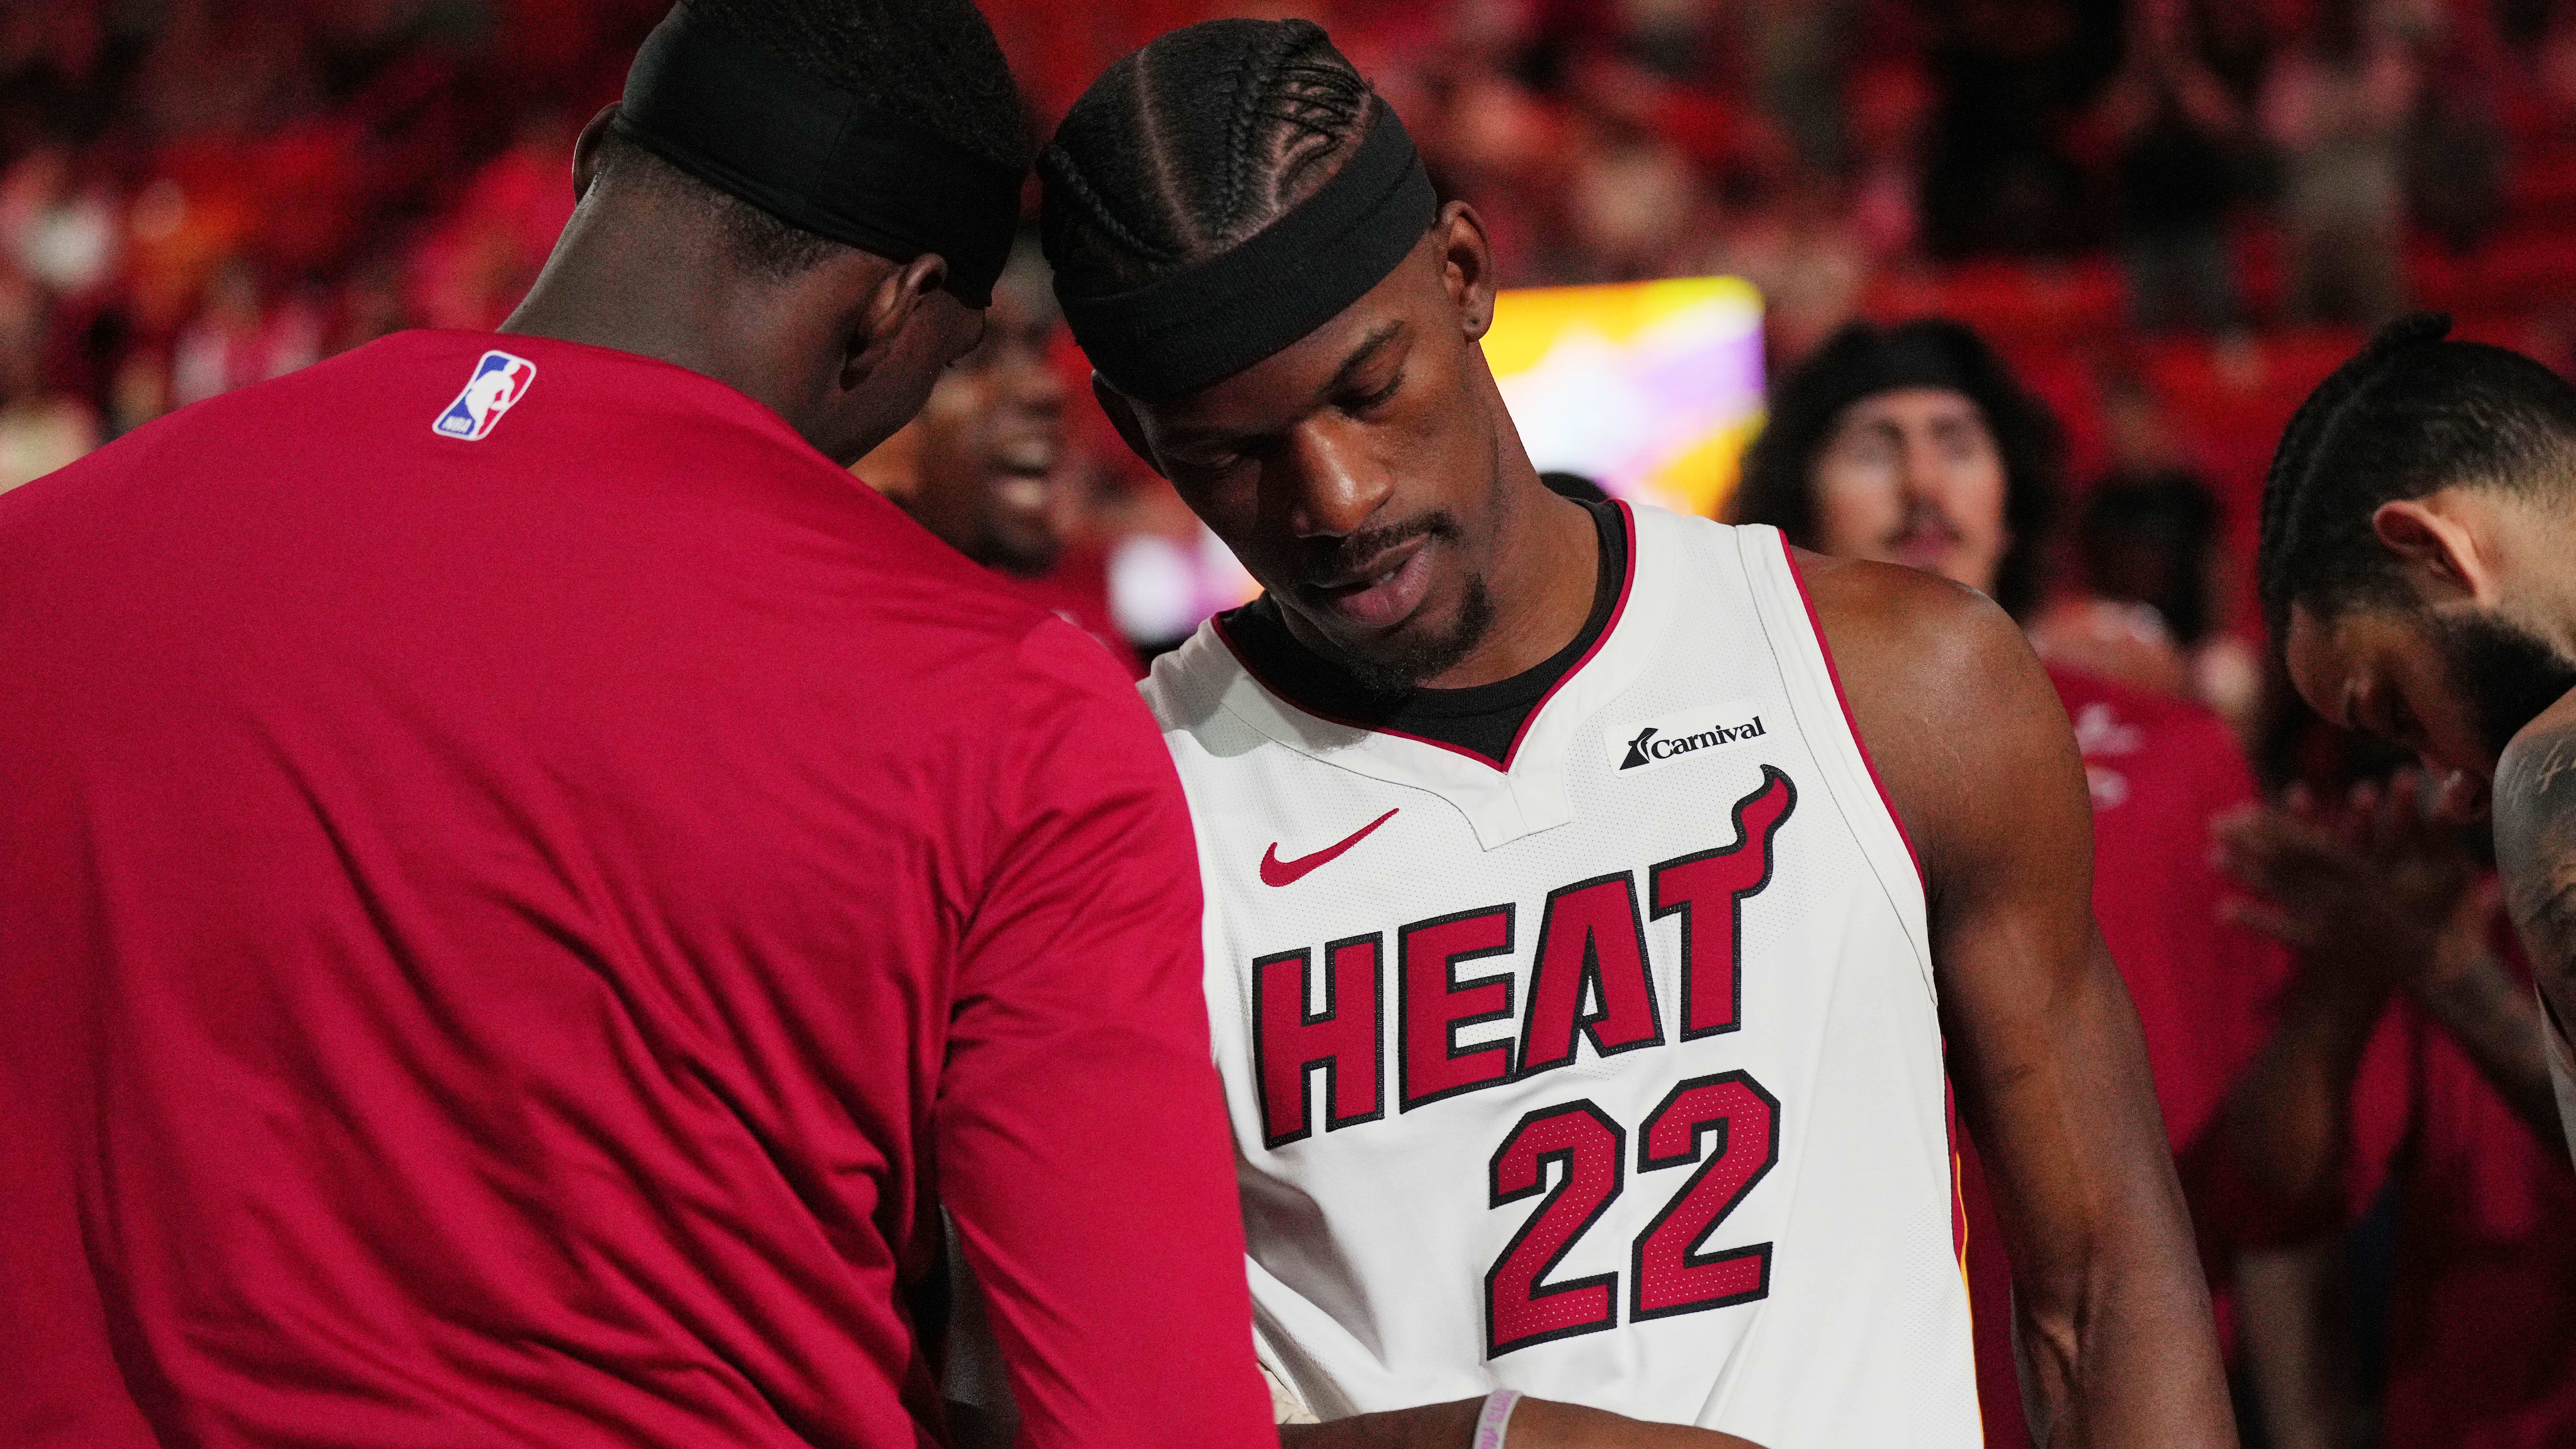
[2505, 674]
[1408, 661]
[1401, 663]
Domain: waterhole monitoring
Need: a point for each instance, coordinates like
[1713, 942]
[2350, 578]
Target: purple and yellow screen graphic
[1651, 389]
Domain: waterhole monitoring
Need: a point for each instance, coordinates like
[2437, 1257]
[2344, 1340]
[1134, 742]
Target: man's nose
[1918, 474]
[1331, 484]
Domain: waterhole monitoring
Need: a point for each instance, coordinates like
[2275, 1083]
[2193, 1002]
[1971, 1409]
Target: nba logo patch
[499, 381]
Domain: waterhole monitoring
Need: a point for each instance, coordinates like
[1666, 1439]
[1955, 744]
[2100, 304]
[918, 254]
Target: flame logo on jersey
[499, 381]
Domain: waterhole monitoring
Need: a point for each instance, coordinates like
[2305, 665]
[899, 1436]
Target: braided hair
[2411, 414]
[1189, 146]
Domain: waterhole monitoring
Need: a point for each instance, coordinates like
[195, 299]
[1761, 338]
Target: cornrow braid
[2410, 414]
[1204, 137]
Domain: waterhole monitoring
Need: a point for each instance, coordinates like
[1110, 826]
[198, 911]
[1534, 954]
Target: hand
[2379, 889]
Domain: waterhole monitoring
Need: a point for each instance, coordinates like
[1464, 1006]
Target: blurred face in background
[980, 466]
[1913, 476]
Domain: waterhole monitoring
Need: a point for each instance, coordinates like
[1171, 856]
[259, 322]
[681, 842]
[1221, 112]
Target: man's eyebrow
[1369, 347]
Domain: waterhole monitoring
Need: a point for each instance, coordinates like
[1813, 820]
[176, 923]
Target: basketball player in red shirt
[1914, 444]
[1285, 322]
[530, 890]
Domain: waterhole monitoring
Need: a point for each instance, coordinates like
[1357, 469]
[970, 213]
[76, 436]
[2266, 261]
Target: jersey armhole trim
[1851, 722]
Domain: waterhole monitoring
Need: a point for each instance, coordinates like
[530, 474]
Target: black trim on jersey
[1589, 970]
[1481, 720]
[1330, 1063]
[1451, 986]
[1692, 1257]
[1735, 903]
[1540, 1288]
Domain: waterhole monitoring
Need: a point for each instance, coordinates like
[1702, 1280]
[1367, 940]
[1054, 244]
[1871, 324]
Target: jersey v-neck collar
[1526, 793]
[1484, 722]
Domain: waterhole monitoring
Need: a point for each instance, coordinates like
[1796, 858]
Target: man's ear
[2429, 539]
[585, 150]
[1122, 416]
[876, 329]
[1466, 267]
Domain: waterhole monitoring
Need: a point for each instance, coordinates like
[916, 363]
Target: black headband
[813, 155]
[1207, 322]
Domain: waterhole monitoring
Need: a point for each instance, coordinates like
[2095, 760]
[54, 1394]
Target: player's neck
[1547, 567]
[623, 282]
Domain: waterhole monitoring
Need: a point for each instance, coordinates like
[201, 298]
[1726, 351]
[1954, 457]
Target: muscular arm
[2535, 837]
[2044, 1045]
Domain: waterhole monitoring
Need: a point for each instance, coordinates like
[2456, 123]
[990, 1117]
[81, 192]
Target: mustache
[1923, 515]
[1335, 558]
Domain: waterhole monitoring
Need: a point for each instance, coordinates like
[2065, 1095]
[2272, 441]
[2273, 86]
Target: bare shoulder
[2539, 766]
[2535, 819]
[1954, 709]
[1885, 623]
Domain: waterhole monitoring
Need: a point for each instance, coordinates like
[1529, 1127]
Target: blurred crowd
[2171, 217]
[2169, 213]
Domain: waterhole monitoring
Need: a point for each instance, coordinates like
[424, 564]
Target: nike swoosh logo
[1277, 872]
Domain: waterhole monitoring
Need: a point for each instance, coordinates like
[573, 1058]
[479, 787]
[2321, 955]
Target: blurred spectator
[985, 466]
[2180, 112]
[2455, 144]
[2408, 1051]
[60, 228]
[2014, 76]
[2336, 106]
[472, 267]
[40, 429]
[1632, 193]
[1799, 50]
[138, 392]
[238, 339]
[1915, 445]
[2157, 589]
[370, 305]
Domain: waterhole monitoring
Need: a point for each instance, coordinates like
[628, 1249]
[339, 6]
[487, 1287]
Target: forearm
[2535, 839]
[2295, 1336]
[2288, 1122]
[2484, 1009]
[1427, 1426]
[2123, 1354]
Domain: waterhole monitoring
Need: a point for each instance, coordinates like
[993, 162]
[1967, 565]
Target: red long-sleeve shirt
[505, 942]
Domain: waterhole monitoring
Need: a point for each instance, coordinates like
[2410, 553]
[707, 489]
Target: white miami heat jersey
[1611, 1076]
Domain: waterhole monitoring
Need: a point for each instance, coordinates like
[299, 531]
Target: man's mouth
[1384, 591]
[1024, 473]
[1924, 545]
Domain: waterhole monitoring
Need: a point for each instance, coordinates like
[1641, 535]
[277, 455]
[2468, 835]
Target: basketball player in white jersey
[1580, 989]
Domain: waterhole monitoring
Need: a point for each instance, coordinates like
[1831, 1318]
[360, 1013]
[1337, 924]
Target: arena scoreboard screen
[1651, 389]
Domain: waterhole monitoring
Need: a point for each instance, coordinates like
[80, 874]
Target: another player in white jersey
[1580, 992]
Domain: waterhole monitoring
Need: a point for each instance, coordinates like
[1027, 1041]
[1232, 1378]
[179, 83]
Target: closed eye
[1377, 399]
